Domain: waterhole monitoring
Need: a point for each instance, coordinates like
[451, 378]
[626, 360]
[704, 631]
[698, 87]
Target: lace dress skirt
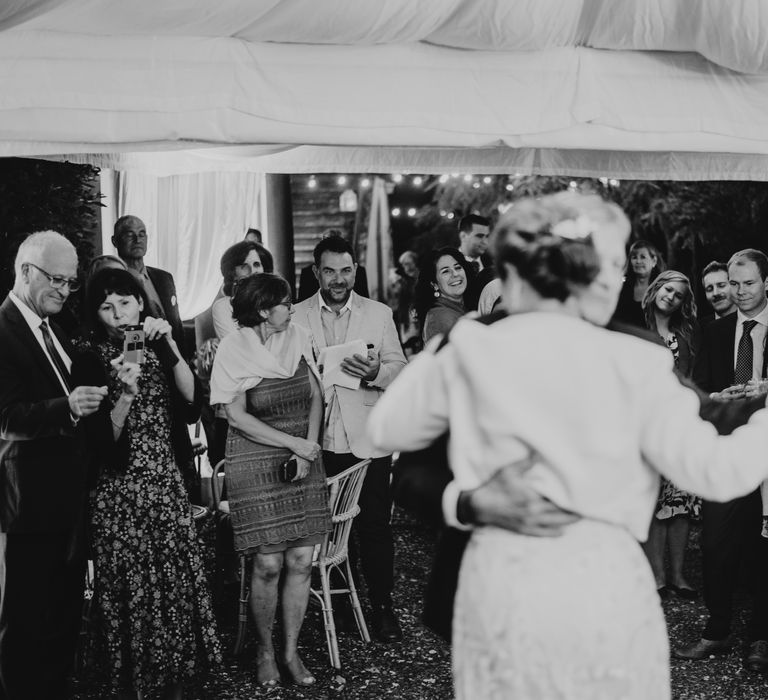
[575, 617]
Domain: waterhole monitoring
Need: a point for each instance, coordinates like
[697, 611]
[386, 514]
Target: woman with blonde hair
[670, 311]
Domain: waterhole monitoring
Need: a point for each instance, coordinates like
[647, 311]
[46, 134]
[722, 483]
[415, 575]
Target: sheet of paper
[330, 360]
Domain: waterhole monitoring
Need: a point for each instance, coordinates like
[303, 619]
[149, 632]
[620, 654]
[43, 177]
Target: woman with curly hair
[670, 311]
[439, 295]
[644, 263]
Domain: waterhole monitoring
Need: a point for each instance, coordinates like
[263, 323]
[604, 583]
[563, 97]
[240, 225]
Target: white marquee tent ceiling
[632, 88]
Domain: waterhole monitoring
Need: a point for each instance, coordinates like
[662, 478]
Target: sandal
[297, 673]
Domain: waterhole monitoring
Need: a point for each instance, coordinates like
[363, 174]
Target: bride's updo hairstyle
[548, 241]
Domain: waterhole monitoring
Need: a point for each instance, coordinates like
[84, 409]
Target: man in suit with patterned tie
[130, 241]
[42, 475]
[731, 360]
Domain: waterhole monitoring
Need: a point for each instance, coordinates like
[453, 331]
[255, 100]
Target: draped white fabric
[378, 250]
[450, 79]
[191, 220]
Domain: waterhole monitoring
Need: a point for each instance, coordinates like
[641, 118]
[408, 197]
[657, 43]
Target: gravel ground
[419, 666]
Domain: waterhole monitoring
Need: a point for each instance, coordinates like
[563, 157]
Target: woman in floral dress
[670, 311]
[153, 612]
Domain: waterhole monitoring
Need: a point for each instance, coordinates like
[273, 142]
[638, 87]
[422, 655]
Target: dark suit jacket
[308, 284]
[166, 290]
[476, 285]
[43, 471]
[713, 370]
[419, 479]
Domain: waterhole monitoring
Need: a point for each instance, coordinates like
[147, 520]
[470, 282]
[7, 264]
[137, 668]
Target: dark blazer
[419, 479]
[476, 285]
[713, 369]
[43, 471]
[166, 290]
[308, 284]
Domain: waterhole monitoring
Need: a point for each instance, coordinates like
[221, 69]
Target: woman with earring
[670, 311]
[440, 291]
[264, 376]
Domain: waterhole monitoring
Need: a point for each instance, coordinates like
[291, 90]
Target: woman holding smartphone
[264, 376]
[154, 621]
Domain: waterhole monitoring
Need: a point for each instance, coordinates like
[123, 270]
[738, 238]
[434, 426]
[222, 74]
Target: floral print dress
[154, 621]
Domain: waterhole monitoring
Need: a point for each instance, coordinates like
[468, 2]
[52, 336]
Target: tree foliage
[37, 195]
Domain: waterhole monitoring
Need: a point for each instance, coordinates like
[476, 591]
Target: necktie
[53, 353]
[743, 371]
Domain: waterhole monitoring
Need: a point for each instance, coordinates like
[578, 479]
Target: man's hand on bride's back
[508, 502]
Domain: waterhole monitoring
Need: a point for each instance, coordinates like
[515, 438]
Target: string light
[487, 179]
[443, 212]
[454, 175]
[613, 183]
[418, 180]
[312, 182]
[365, 182]
[443, 179]
[450, 214]
[476, 185]
[467, 178]
[396, 211]
[412, 211]
[509, 187]
[342, 180]
[573, 184]
[398, 178]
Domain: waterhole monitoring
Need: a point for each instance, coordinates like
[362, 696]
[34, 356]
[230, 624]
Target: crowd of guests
[96, 459]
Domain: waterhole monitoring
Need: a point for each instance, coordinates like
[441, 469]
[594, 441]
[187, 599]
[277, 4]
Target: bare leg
[265, 574]
[298, 567]
[654, 550]
[678, 542]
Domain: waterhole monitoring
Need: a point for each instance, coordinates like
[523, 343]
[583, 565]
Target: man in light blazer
[43, 475]
[336, 315]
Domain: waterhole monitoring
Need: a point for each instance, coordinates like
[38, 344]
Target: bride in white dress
[577, 616]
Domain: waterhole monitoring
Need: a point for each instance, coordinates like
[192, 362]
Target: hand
[155, 327]
[507, 501]
[306, 449]
[363, 367]
[85, 400]
[755, 387]
[732, 393]
[302, 468]
[127, 373]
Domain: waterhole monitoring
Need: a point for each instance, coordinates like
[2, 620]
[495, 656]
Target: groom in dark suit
[42, 476]
[732, 355]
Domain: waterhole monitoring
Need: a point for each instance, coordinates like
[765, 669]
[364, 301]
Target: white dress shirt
[34, 321]
[758, 339]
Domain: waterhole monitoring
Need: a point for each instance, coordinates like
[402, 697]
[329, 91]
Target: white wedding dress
[575, 617]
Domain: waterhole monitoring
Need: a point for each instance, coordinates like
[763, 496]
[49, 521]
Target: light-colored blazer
[371, 322]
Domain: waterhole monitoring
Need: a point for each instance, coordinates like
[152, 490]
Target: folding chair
[333, 553]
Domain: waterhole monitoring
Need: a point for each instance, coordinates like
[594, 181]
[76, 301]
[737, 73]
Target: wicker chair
[333, 553]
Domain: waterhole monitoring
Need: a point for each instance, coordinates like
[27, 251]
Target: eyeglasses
[58, 282]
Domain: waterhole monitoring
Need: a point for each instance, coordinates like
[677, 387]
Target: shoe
[757, 658]
[386, 628]
[684, 592]
[703, 649]
[295, 672]
[663, 592]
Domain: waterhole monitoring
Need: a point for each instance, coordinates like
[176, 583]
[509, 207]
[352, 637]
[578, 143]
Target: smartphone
[133, 344]
[288, 470]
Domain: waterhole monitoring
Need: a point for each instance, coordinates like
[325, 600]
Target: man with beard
[714, 279]
[336, 315]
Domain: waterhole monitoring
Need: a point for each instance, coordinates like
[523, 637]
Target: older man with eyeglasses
[43, 484]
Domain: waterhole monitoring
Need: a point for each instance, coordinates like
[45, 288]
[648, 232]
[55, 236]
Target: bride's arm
[413, 410]
[690, 453]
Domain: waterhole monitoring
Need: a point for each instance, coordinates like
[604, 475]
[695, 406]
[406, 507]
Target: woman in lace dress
[575, 616]
[155, 625]
[670, 311]
[263, 376]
